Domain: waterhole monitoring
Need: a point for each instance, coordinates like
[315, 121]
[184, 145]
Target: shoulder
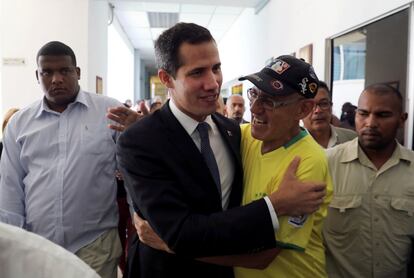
[339, 151]
[406, 153]
[225, 122]
[308, 148]
[25, 115]
[345, 133]
[147, 129]
[101, 100]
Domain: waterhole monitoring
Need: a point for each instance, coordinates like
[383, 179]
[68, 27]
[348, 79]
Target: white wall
[26, 25]
[97, 44]
[120, 64]
[283, 27]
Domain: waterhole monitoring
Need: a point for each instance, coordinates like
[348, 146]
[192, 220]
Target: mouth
[210, 98]
[257, 122]
[57, 91]
[370, 134]
[318, 119]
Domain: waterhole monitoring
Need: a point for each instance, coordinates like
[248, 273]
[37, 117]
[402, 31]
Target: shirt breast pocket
[96, 139]
[343, 214]
[402, 215]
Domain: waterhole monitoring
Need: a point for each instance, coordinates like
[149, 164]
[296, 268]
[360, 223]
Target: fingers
[318, 187]
[143, 108]
[293, 166]
[119, 128]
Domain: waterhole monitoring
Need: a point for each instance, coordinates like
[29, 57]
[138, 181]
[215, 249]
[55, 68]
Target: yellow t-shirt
[302, 236]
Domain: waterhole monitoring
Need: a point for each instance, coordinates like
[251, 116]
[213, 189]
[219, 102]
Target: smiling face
[378, 118]
[58, 78]
[276, 127]
[197, 83]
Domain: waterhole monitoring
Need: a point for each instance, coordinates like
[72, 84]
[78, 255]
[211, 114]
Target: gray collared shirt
[57, 171]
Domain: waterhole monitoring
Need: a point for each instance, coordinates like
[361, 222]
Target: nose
[212, 81]
[255, 106]
[317, 109]
[371, 121]
[57, 77]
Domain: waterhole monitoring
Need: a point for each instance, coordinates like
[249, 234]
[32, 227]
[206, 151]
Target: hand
[296, 198]
[147, 235]
[125, 116]
[118, 175]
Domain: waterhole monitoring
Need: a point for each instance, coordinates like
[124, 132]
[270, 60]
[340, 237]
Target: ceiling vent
[162, 20]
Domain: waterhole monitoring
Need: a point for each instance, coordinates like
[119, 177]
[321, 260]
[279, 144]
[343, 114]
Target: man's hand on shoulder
[124, 117]
[296, 198]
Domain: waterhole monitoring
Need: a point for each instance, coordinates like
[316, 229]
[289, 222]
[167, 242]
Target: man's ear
[78, 72]
[403, 118]
[165, 78]
[37, 76]
[306, 107]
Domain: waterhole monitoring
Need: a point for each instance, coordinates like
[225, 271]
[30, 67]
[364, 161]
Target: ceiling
[144, 21]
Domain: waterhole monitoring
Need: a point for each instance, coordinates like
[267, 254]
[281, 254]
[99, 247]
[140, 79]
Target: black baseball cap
[284, 76]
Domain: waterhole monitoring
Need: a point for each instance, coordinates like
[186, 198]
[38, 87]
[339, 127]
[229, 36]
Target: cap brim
[264, 83]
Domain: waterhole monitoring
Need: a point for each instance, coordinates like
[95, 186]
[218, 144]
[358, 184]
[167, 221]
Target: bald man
[235, 108]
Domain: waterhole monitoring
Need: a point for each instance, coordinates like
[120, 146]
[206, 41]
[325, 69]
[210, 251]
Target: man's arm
[12, 196]
[258, 260]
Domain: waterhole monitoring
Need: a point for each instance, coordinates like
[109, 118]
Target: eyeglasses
[266, 102]
[323, 105]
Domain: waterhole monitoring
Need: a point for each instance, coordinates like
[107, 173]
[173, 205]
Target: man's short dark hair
[384, 89]
[323, 85]
[168, 44]
[56, 48]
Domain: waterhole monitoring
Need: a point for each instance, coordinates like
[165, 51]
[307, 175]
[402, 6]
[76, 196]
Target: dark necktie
[208, 154]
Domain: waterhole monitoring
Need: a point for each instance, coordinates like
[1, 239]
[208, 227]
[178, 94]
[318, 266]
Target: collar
[292, 141]
[333, 139]
[188, 123]
[43, 107]
[353, 151]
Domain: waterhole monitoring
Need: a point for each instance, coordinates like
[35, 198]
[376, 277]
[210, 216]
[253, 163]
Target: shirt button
[376, 197]
[377, 244]
[375, 219]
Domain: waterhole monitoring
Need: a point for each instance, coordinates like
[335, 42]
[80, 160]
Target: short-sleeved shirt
[370, 224]
[301, 236]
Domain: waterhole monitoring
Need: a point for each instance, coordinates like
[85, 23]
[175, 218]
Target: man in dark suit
[189, 190]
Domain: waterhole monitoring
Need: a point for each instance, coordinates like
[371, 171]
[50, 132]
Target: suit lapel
[230, 136]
